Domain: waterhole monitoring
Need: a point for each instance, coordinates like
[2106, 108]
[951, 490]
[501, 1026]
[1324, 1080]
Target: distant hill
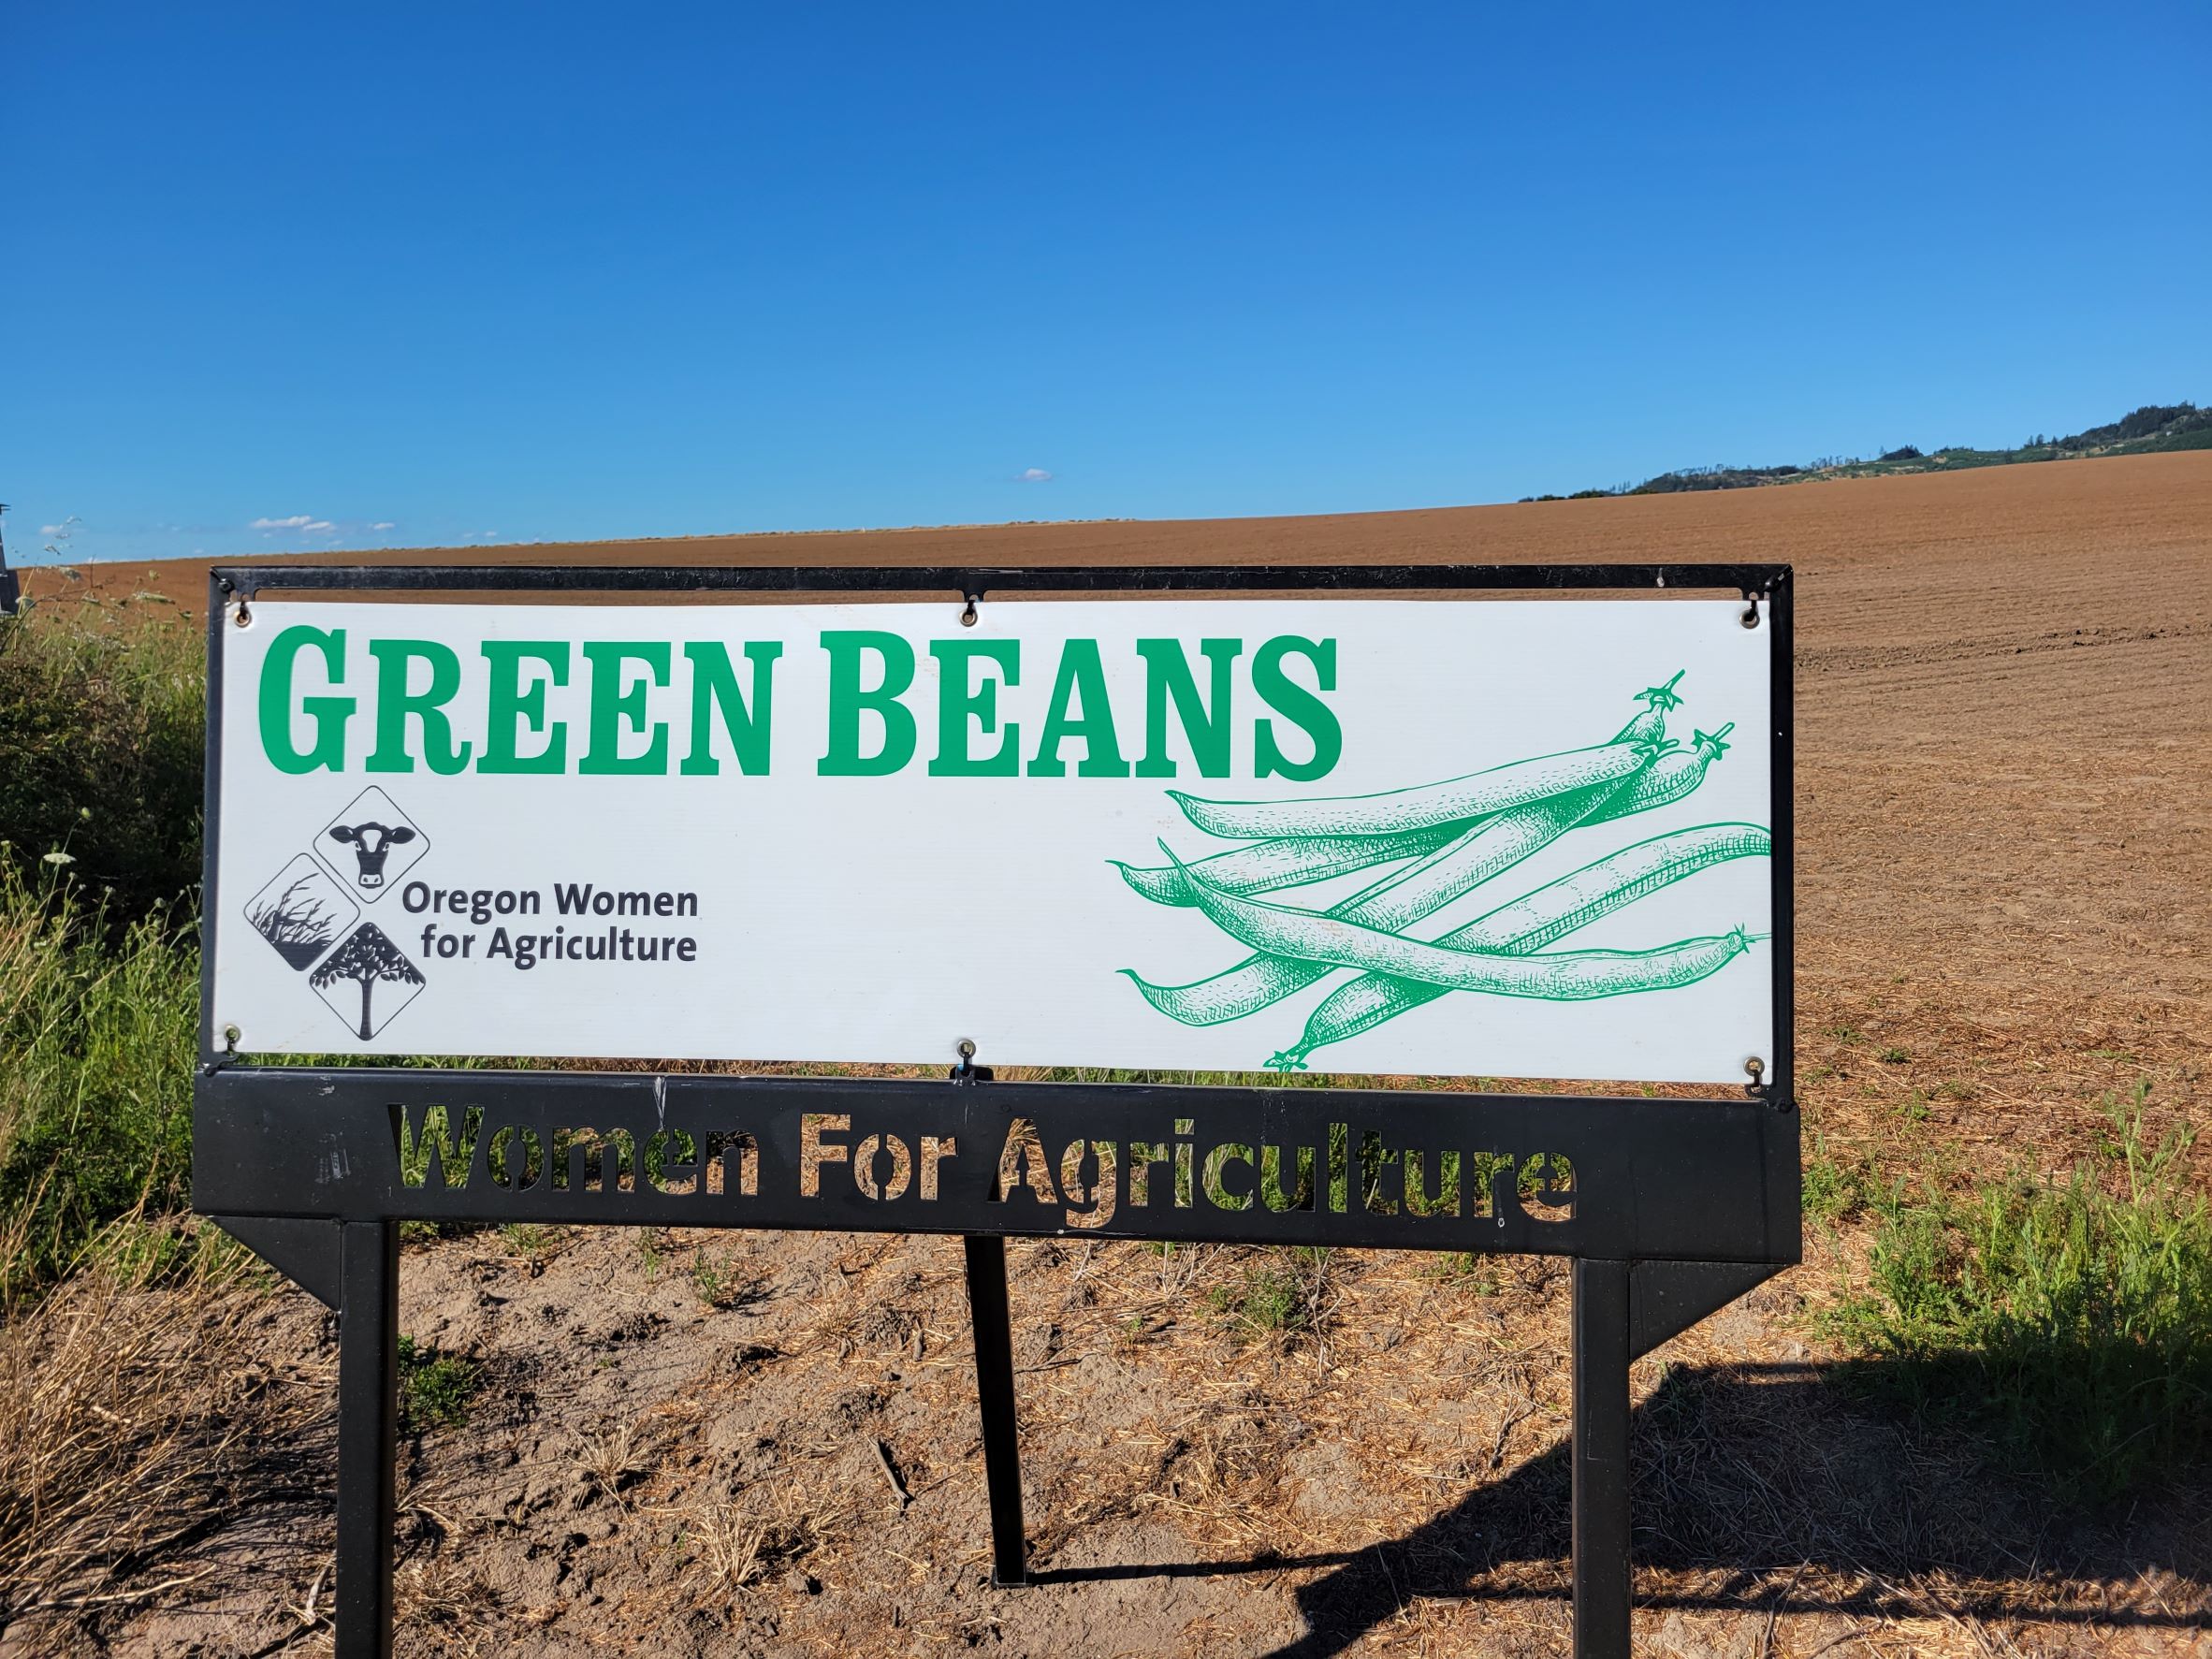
[2147, 430]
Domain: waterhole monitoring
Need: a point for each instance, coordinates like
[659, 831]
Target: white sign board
[1519, 839]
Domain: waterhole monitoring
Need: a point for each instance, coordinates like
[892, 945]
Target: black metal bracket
[967, 1070]
[1667, 1298]
[309, 1253]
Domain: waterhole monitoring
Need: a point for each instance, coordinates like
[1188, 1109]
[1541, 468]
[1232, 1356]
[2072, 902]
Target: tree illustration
[296, 922]
[367, 957]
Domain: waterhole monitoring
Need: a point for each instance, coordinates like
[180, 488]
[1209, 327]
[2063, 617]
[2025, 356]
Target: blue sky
[301, 276]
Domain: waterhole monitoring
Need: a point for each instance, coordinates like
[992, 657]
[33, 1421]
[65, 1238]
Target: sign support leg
[368, 1434]
[991, 1321]
[1601, 1540]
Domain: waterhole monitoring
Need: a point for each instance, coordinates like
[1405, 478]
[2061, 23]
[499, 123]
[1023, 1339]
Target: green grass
[536, 1245]
[1470, 1271]
[97, 1020]
[1279, 1296]
[101, 721]
[718, 1283]
[2067, 1323]
[435, 1388]
[1833, 1191]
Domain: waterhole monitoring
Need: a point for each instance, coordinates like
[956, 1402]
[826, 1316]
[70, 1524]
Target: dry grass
[132, 1423]
[448, 1607]
[613, 1461]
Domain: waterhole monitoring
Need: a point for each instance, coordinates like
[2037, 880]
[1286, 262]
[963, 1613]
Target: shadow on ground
[1768, 1488]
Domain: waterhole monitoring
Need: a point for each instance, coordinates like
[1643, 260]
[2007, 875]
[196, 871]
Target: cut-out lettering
[814, 1151]
[1022, 1158]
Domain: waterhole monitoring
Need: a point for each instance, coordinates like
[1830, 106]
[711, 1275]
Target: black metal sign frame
[1670, 1208]
[10, 592]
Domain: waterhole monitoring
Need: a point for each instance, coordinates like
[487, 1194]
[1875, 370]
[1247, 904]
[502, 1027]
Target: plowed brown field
[2005, 704]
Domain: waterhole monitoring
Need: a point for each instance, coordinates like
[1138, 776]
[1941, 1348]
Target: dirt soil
[717, 1443]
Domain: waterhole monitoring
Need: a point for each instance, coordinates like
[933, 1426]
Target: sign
[1464, 837]
[1541, 836]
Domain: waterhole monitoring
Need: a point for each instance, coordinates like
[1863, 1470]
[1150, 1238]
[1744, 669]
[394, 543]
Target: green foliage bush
[2154, 429]
[2069, 1322]
[98, 1018]
[101, 724]
[2153, 420]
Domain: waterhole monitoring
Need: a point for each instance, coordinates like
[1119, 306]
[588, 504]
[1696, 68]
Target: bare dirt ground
[723, 1443]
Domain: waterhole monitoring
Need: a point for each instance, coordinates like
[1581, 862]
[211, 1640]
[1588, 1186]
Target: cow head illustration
[371, 843]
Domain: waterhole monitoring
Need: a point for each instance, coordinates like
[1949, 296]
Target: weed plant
[97, 1021]
[101, 737]
[1285, 1294]
[435, 1388]
[2067, 1322]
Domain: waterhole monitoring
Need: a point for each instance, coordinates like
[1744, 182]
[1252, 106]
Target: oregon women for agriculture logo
[306, 910]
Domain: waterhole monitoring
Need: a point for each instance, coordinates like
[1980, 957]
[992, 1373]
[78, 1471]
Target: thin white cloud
[53, 529]
[384, 524]
[298, 521]
[318, 525]
[1033, 475]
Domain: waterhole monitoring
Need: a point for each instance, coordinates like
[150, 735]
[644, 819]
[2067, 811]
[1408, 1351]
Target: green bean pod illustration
[1650, 725]
[1474, 796]
[1434, 844]
[1673, 774]
[1563, 976]
[1528, 923]
[1286, 861]
[1399, 900]
[1293, 861]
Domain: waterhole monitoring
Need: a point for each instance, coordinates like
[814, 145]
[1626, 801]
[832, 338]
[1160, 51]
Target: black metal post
[991, 1321]
[1601, 1459]
[368, 1434]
